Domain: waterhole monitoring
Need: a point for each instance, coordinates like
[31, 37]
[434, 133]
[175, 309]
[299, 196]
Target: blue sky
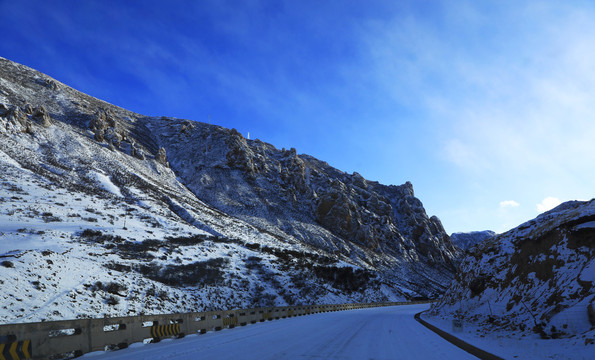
[487, 107]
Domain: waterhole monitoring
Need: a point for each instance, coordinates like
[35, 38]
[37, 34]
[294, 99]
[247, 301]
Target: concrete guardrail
[71, 338]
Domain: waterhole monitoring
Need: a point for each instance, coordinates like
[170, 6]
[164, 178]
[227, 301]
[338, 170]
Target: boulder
[28, 109]
[17, 117]
[136, 152]
[51, 84]
[162, 157]
[98, 125]
[40, 114]
[113, 137]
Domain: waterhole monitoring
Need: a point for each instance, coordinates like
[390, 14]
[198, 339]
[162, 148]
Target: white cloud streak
[522, 98]
[509, 204]
[548, 203]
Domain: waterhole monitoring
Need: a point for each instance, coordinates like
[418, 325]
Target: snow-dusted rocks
[13, 119]
[465, 240]
[162, 157]
[537, 278]
[40, 114]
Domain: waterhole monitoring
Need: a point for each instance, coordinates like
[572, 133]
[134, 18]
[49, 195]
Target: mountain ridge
[149, 181]
[465, 240]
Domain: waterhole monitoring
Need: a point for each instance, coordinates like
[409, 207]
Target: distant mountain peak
[465, 240]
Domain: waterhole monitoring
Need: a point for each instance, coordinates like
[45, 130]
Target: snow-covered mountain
[107, 212]
[537, 278]
[465, 240]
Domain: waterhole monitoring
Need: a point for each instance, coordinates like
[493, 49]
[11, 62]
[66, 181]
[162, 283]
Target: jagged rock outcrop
[14, 119]
[537, 277]
[274, 188]
[28, 109]
[187, 127]
[50, 84]
[98, 125]
[162, 157]
[136, 152]
[40, 114]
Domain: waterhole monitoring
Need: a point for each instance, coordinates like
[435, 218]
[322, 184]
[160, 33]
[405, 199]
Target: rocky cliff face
[167, 177]
[274, 188]
[537, 278]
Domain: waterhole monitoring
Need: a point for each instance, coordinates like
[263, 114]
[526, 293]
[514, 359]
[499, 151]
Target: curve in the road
[482, 354]
[374, 333]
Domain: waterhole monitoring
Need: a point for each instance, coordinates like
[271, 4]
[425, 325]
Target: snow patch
[8, 160]
[106, 183]
[587, 225]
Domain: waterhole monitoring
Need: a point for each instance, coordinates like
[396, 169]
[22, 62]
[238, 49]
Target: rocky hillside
[534, 279]
[465, 240]
[157, 214]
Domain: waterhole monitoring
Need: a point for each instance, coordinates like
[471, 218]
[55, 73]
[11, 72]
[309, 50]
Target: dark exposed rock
[385, 219]
[3, 109]
[187, 127]
[240, 155]
[28, 127]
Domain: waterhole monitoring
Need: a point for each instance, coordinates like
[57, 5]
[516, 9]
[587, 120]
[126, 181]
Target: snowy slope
[535, 280]
[108, 212]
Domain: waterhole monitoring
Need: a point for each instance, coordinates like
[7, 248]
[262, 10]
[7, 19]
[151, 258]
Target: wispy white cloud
[509, 203]
[463, 155]
[548, 203]
[506, 93]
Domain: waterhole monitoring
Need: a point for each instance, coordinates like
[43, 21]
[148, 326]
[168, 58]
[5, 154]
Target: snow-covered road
[376, 333]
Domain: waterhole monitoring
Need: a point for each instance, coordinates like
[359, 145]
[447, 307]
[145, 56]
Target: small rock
[51, 84]
[28, 109]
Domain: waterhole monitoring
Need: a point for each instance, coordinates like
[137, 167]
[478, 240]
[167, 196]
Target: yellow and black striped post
[160, 331]
[230, 322]
[16, 350]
